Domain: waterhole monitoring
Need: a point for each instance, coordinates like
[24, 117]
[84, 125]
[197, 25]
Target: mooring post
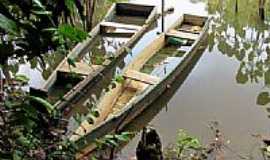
[236, 6]
[2, 77]
[261, 9]
[149, 147]
[162, 15]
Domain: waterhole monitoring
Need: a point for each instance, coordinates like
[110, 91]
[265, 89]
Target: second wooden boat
[145, 78]
[109, 41]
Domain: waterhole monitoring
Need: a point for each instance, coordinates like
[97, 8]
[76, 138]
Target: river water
[229, 83]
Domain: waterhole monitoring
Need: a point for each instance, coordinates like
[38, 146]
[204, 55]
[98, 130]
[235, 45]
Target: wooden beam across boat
[183, 35]
[141, 77]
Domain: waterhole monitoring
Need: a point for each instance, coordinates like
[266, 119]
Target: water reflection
[244, 37]
[227, 80]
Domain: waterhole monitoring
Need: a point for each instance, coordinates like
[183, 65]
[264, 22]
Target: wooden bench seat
[81, 68]
[120, 25]
[184, 35]
[141, 77]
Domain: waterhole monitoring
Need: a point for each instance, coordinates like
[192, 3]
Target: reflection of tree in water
[44, 65]
[245, 38]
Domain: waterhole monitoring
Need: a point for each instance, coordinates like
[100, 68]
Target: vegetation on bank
[30, 127]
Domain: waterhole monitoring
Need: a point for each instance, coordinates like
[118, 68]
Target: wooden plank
[142, 77]
[184, 35]
[81, 68]
[120, 25]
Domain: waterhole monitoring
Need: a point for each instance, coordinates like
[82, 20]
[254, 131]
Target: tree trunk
[90, 9]
[236, 6]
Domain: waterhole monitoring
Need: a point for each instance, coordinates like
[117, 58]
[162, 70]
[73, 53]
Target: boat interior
[155, 62]
[118, 27]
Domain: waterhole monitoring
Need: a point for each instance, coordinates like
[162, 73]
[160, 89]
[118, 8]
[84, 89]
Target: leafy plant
[29, 128]
[186, 143]
[113, 140]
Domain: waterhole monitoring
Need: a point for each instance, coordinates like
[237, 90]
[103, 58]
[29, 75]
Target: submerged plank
[142, 77]
[184, 35]
[120, 25]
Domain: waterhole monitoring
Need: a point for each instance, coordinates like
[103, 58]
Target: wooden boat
[145, 79]
[121, 28]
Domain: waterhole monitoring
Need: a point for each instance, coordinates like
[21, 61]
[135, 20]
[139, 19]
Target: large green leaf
[49, 107]
[8, 25]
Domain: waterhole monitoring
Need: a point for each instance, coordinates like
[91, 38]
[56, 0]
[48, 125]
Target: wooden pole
[162, 15]
[236, 6]
[261, 9]
[90, 8]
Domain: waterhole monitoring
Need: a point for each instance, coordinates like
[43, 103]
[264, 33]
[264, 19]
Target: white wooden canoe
[128, 99]
[112, 25]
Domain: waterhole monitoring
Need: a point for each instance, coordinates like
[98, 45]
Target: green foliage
[185, 143]
[113, 140]
[29, 128]
[43, 29]
[43, 103]
[8, 25]
[21, 78]
[72, 33]
[119, 79]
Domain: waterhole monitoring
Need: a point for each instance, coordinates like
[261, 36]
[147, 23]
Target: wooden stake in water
[162, 15]
[261, 9]
[1, 84]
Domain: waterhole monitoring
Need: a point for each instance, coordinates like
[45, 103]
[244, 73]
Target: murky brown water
[225, 84]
